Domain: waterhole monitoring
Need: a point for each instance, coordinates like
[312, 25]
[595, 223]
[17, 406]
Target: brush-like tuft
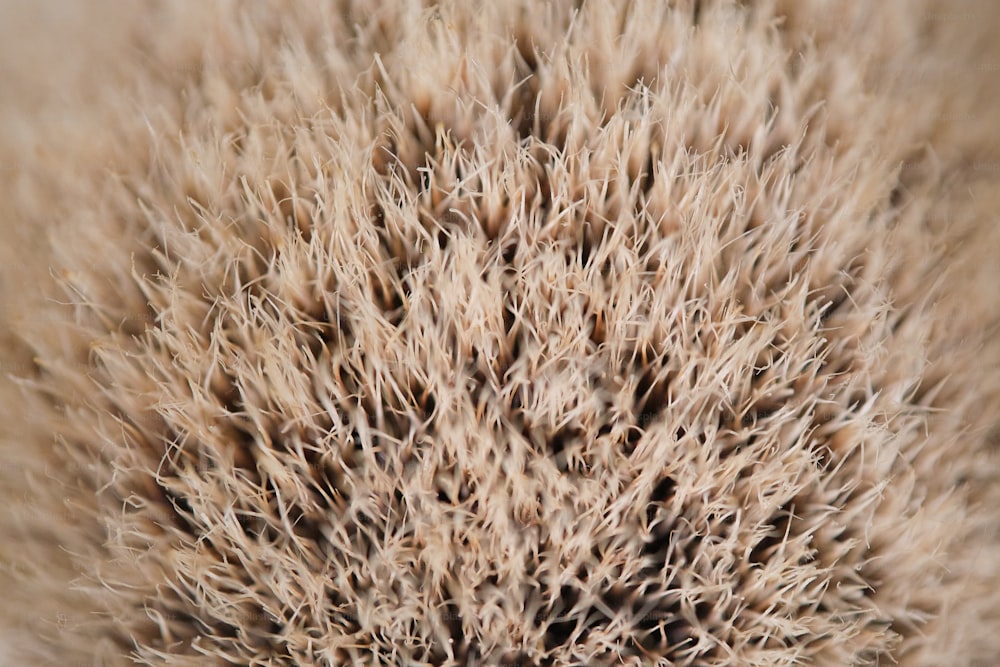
[507, 333]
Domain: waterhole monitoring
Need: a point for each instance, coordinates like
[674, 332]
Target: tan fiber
[500, 333]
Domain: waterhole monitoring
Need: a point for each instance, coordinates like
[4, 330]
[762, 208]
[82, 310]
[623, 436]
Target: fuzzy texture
[535, 333]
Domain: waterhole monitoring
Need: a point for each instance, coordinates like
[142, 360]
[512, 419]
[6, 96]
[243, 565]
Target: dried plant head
[502, 333]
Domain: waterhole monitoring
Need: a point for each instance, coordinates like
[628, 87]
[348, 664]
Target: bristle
[506, 333]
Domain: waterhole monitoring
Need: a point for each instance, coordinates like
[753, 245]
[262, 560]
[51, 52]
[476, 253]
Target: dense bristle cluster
[511, 333]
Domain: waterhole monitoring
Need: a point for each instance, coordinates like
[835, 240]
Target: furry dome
[503, 333]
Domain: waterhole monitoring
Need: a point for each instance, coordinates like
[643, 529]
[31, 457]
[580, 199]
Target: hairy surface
[502, 333]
